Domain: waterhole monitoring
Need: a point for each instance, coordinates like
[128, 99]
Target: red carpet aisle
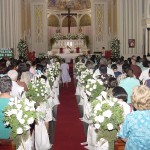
[69, 131]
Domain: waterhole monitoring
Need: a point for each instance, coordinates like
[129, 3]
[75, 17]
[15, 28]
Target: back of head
[129, 72]
[13, 74]
[63, 60]
[5, 84]
[112, 82]
[103, 61]
[25, 77]
[103, 69]
[22, 67]
[39, 67]
[113, 66]
[125, 66]
[141, 97]
[120, 93]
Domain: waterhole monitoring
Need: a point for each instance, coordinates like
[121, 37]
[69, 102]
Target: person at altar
[67, 50]
[103, 51]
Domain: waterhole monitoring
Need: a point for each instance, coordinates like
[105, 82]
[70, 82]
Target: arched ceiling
[74, 4]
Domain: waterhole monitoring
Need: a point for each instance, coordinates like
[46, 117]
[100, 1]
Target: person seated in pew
[5, 89]
[115, 69]
[136, 128]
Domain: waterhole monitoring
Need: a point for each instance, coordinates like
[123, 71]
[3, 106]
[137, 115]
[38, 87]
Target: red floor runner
[69, 131]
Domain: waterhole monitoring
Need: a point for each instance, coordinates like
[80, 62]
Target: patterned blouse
[136, 129]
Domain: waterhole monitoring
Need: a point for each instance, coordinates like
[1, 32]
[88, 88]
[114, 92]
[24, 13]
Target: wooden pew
[119, 145]
[6, 144]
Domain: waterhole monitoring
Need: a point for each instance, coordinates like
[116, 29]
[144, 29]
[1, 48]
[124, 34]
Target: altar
[75, 46]
[71, 43]
[66, 55]
[69, 56]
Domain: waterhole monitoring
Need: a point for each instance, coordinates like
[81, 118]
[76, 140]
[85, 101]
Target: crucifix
[69, 15]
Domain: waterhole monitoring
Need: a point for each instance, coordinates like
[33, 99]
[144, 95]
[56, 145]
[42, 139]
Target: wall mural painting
[75, 4]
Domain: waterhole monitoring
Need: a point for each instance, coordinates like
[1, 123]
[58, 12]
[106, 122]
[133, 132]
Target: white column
[39, 30]
[146, 41]
[100, 24]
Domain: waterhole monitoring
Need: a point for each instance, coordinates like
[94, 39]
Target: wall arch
[53, 21]
[85, 20]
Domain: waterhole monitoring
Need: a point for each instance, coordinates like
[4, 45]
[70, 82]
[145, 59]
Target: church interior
[74, 74]
[100, 20]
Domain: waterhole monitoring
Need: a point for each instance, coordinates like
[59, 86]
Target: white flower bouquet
[55, 68]
[93, 88]
[106, 115]
[85, 75]
[19, 115]
[50, 76]
[38, 90]
[79, 67]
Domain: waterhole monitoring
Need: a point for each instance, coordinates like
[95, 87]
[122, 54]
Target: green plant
[22, 48]
[115, 48]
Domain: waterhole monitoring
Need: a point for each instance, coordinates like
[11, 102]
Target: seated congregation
[112, 95]
[123, 82]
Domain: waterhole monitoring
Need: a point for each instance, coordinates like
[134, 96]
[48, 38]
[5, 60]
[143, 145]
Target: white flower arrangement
[56, 69]
[85, 75]
[58, 36]
[93, 88]
[19, 115]
[106, 116]
[81, 36]
[79, 67]
[38, 90]
[53, 72]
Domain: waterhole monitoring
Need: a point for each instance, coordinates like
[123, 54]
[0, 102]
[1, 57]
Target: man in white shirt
[103, 61]
[16, 90]
[145, 74]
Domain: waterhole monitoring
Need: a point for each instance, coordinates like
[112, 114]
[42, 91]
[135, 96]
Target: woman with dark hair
[22, 79]
[112, 83]
[121, 95]
[5, 88]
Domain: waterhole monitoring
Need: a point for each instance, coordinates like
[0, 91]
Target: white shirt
[109, 72]
[126, 108]
[144, 75]
[16, 90]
